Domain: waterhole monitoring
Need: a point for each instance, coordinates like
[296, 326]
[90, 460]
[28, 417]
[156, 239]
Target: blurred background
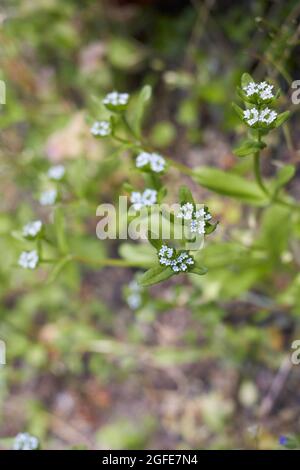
[92, 360]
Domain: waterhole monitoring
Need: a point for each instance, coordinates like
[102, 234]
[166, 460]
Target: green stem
[122, 263]
[257, 173]
[121, 140]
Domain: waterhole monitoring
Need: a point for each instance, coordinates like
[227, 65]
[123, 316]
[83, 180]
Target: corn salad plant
[259, 116]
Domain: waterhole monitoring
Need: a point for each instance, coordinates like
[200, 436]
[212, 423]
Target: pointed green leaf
[230, 184]
[210, 228]
[200, 270]
[246, 79]
[238, 110]
[185, 195]
[284, 175]
[142, 253]
[140, 107]
[155, 275]
[281, 118]
[248, 147]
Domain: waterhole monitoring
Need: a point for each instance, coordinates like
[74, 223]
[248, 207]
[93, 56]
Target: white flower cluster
[154, 160]
[263, 89]
[48, 197]
[134, 298]
[179, 263]
[197, 218]
[147, 198]
[32, 228]
[253, 116]
[29, 259]
[24, 441]
[101, 128]
[116, 99]
[56, 172]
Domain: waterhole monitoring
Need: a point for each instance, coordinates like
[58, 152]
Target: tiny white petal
[116, 99]
[48, 197]
[24, 441]
[56, 172]
[28, 259]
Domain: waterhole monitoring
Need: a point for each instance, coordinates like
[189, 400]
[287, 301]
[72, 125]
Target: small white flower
[101, 128]
[32, 228]
[157, 162]
[29, 259]
[167, 257]
[56, 172]
[200, 213]
[251, 116]
[263, 90]
[267, 94]
[250, 89]
[142, 159]
[116, 99]
[48, 197]
[147, 198]
[197, 226]
[134, 301]
[197, 218]
[267, 115]
[24, 441]
[186, 211]
[137, 200]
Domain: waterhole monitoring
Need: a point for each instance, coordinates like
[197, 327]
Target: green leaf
[284, 175]
[229, 184]
[210, 228]
[185, 195]
[127, 187]
[155, 275]
[238, 110]
[140, 107]
[142, 253]
[281, 118]
[248, 147]
[246, 79]
[200, 270]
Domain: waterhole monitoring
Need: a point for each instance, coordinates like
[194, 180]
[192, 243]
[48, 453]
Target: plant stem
[122, 263]
[257, 173]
